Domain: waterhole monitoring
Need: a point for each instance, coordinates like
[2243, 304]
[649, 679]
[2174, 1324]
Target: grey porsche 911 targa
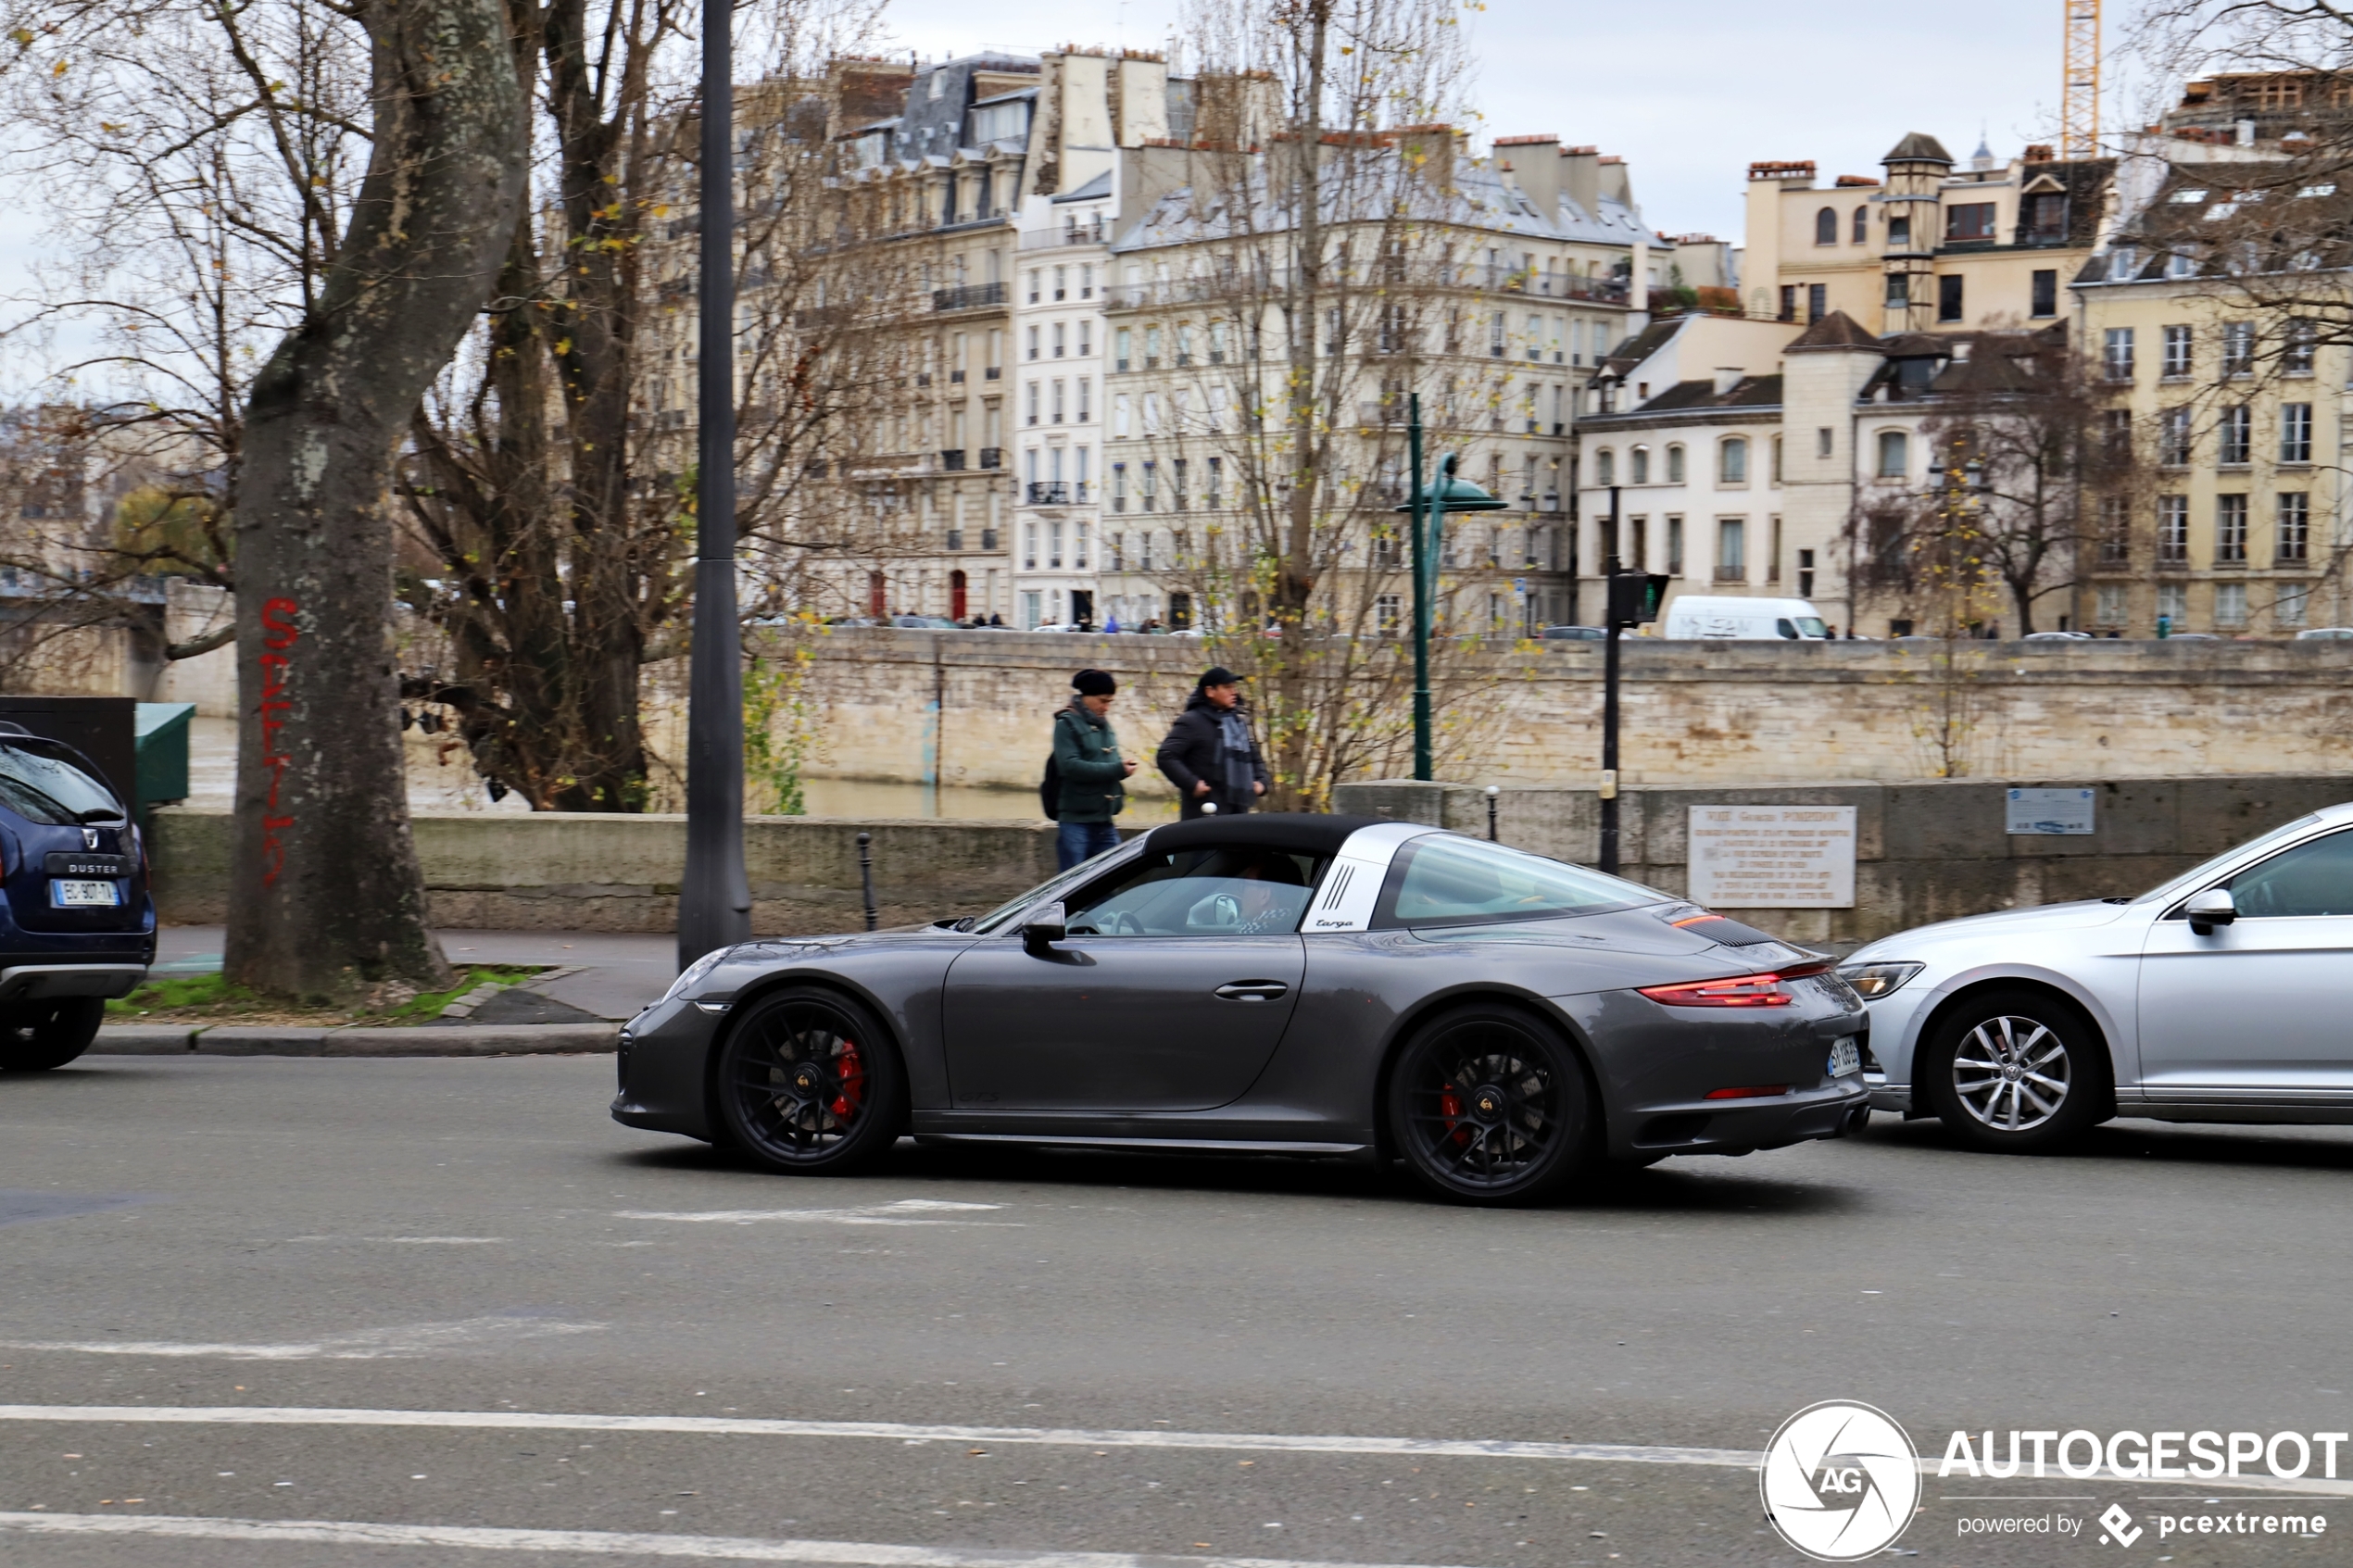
[1294, 984]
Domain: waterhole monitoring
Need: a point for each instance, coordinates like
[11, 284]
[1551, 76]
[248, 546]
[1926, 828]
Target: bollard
[1492, 792]
[866, 877]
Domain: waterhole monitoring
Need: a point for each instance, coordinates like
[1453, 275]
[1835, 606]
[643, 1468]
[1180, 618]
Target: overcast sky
[1688, 91]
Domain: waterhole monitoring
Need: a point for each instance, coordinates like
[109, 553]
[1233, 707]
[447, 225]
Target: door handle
[1253, 990]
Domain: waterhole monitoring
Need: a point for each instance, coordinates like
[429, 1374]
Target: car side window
[1206, 891]
[2311, 879]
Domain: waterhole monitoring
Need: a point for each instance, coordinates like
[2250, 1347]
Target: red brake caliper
[853, 1081]
[1450, 1105]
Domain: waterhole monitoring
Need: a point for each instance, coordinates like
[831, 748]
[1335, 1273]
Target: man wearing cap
[1210, 754]
[1087, 761]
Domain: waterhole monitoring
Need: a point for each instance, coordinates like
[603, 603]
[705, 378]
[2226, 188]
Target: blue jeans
[1084, 841]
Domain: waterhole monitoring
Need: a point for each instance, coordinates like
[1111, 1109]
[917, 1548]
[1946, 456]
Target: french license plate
[85, 894]
[1845, 1058]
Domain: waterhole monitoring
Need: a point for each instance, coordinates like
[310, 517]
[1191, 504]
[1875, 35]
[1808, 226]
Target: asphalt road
[465, 1257]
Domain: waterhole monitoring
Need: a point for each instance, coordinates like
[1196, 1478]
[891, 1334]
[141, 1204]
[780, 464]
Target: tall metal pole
[715, 898]
[1609, 698]
[1421, 592]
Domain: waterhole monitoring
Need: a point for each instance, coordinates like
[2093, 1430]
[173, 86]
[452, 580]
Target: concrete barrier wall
[553, 872]
[1924, 851]
[975, 707]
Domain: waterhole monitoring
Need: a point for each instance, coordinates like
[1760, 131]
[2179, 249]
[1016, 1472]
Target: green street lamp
[1432, 502]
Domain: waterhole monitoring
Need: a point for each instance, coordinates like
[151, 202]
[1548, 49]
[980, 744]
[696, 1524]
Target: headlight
[694, 975]
[1872, 980]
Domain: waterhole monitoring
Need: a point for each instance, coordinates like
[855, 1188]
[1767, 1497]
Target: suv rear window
[41, 784]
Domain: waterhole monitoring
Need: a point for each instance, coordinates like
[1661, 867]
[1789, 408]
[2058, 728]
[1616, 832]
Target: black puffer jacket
[1195, 750]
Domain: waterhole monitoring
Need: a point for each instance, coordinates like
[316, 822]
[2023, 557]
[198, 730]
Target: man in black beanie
[1092, 773]
[1210, 755]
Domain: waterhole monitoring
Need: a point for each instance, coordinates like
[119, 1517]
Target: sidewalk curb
[359, 1040]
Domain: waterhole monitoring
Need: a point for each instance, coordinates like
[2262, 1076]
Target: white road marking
[362, 1345]
[906, 1211]
[902, 1431]
[734, 1548]
[1045, 1436]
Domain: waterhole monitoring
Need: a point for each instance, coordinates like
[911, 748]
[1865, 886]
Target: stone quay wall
[976, 708]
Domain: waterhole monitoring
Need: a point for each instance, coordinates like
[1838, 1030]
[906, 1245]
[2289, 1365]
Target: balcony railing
[1092, 233]
[993, 456]
[968, 297]
[1381, 413]
[1732, 574]
[1057, 493]
[952, 461]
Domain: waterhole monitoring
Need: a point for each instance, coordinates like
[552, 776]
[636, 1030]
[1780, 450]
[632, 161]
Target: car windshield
[1041, 892]
[1444, 880]
[2200, 874]
[1811, 626]
[38, 782]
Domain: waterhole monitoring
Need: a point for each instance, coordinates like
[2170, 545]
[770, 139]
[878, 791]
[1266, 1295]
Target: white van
[1693, 615]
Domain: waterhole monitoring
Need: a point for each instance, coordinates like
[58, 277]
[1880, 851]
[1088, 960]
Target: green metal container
[160, 732]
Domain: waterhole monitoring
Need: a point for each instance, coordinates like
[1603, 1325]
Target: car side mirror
[2212, 907]
[1047, 925]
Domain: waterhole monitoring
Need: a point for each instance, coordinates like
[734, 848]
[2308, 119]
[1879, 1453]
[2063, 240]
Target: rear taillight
[1739, 991]
[1761, 1091]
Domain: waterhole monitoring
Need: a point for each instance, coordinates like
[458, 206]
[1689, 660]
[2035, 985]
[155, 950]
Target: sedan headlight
[694, 975]
[1872, 980]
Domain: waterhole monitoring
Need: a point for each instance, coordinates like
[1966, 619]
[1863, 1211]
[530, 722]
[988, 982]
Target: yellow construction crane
[2080, 94]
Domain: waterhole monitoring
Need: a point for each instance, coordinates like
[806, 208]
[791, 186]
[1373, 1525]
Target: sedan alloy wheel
[2017, 1070]
[2011, 1073]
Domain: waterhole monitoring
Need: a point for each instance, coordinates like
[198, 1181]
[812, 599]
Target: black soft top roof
[1298, 833]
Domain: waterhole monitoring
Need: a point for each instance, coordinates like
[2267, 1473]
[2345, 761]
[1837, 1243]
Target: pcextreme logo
[1839, 1481]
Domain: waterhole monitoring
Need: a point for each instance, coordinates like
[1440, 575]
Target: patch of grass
[429, 1005]
[179, 994]
[212, 999]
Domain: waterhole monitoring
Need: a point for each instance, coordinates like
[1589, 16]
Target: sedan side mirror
[2212, 907]
[1046, 924]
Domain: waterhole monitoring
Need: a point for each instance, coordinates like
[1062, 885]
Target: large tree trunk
[327, 896]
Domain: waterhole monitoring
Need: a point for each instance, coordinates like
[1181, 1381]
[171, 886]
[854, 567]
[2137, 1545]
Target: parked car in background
[1574, 635]
[2326, 634]
[2217, 995]
[1742, 619]
[2057, 637]
[77, 924]
[924, 622]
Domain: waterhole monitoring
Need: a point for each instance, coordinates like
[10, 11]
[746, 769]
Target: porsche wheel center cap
[1487, 1103]
[805, 1079]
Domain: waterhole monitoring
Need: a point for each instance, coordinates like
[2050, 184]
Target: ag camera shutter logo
[1839, 1481]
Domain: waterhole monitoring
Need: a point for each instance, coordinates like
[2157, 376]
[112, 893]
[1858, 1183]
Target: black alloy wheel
[2014, 1072]
[1489, 1106]
[810, 1083]
[36, 1037]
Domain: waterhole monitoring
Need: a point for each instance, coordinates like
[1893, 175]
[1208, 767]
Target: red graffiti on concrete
[278, 633]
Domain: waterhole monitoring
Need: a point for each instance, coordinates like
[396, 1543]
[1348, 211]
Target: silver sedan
[2223, 994]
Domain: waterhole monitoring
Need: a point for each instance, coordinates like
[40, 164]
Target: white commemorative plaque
[1773, 856]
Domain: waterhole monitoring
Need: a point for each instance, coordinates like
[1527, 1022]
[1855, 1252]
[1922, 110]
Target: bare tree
[1319, 221]
[2028, 448]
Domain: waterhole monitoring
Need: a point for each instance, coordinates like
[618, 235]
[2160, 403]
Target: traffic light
[1634, 597]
